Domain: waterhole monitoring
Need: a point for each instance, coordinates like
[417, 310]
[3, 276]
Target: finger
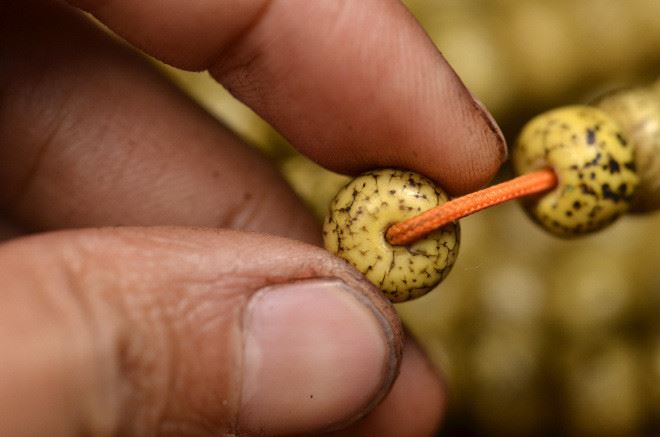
[353, 84]
[93, 136]
[140, 331]
[413, 408]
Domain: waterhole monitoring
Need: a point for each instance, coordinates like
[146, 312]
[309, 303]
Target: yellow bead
[362, 212]
[594, 163]
[638, 113]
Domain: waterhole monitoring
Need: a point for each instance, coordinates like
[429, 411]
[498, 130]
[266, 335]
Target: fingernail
[492, 125]
[488, 118]
[316, 355]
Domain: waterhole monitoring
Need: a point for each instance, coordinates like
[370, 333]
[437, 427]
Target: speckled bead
[637, 111]
[362, 212]
[594, 163]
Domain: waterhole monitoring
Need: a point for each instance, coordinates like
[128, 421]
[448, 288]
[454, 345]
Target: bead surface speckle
[637, 111]
[362, 212]
[594, 163]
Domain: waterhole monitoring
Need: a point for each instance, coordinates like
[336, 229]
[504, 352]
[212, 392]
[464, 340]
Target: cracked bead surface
[594, 163]
[362, 212]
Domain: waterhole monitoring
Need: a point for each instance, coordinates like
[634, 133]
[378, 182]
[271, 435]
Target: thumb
[177, 331]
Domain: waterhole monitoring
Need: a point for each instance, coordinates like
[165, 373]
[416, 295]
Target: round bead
[362, 212]
[638, 113]
[594, 163]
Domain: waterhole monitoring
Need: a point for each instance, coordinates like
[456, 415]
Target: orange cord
[416, 227]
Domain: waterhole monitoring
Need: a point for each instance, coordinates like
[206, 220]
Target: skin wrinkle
[249, 27]
[23, 185]
[102, 342]
[243, 215]
[196, 417]
[138, 139]
[241, 362]
[235, 69]
[173, 316]
[186, 313]
[142, 307]
[252, 214]
[139, 308]
[51, 132]
[172, 351]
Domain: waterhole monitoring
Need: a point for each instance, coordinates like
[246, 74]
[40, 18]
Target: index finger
[352, 84]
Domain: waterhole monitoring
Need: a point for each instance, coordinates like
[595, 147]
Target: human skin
[181, 290]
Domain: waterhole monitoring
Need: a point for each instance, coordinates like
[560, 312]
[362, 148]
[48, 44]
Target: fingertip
[469, 146]
[355, 102]
[490, 153]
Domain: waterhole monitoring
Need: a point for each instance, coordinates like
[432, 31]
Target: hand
[173, 330]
